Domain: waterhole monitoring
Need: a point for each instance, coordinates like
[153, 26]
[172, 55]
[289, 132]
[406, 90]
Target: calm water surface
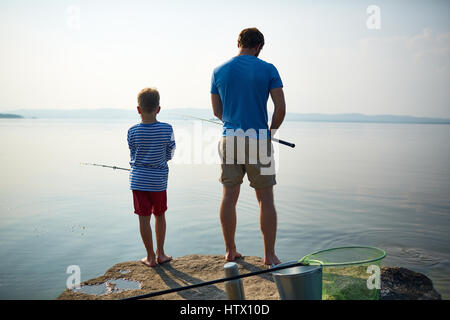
[384, 185]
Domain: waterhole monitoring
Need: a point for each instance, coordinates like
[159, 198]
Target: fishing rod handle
[292, 145]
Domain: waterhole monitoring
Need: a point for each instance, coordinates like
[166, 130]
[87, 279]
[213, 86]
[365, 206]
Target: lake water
[383, 185]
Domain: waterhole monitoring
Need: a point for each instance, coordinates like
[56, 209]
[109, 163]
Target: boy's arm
[217, 105]
[170, 149]
[130, 145]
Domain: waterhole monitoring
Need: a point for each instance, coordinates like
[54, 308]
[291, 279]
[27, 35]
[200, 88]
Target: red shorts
[148, 202]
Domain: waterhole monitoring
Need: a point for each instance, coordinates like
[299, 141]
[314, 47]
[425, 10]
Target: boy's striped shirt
[151, 146]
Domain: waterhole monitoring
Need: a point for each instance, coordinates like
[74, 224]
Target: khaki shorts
[254, 157]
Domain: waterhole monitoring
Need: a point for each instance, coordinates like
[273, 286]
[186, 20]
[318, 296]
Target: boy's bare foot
[271, 260]
[149, 262]
[163, 258]
[232, 255]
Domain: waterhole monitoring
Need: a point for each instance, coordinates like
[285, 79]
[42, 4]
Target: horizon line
[5, 111]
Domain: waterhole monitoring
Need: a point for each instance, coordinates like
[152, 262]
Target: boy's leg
[268, 220]
[228, 220]
[160, 230]
[146, 234]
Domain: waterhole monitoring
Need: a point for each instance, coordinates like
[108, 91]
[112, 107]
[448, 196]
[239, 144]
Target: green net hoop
[345, 256]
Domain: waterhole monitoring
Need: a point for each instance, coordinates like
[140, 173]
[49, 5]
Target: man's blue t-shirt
[243, 84]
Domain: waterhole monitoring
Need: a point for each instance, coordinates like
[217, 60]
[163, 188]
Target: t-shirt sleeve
[214, 89]
[170, 149]
[275, 80]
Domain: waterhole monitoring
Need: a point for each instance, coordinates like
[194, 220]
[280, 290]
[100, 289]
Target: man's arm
[217, 105]
[279, 111]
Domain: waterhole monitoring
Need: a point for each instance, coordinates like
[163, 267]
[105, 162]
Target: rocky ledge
[128, 279]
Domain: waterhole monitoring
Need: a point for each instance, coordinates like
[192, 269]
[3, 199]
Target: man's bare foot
[271, 260]
[149, 262]
[163, 258]
[232, 255]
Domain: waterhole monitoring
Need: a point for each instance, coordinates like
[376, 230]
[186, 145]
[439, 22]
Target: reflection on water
[110, 286]
[383, 185]
[93, 289]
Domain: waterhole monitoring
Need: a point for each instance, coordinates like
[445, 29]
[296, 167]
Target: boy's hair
[148, 100]
[250, 38]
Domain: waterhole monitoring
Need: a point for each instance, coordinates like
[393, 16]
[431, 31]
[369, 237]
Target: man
[239, 92]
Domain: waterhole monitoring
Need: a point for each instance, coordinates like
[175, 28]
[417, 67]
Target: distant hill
[10, 116]
[357, 117]
[181, 113]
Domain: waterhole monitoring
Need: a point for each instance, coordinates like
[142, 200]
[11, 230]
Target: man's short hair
[250, 38]
[148, 100]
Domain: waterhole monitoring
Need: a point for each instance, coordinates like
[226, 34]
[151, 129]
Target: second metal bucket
[299, 283]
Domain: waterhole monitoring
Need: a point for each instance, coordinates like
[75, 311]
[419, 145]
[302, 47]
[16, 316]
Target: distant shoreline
[10, 116]
[373, 121]
[178, 114]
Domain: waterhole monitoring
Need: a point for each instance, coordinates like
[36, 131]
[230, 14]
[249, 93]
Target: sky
[333, 56]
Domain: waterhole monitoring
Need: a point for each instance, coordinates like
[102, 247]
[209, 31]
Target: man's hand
[279, 111]
[217, 105]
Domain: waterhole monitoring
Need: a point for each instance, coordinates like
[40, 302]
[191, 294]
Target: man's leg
[228, 220]
[268, 221]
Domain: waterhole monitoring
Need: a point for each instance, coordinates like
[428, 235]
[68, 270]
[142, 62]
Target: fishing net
[349, 273]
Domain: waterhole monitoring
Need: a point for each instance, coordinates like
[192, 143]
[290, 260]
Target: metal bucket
[299, 283]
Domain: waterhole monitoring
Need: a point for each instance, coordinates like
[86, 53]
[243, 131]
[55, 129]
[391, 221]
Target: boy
[151, 145]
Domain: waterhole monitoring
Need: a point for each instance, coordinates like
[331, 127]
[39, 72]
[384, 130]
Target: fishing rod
[286, 143]
[208, 283]
[104, 166]
[289, 144]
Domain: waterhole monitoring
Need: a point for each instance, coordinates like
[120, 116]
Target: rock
[396, 283]
[402, 284]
